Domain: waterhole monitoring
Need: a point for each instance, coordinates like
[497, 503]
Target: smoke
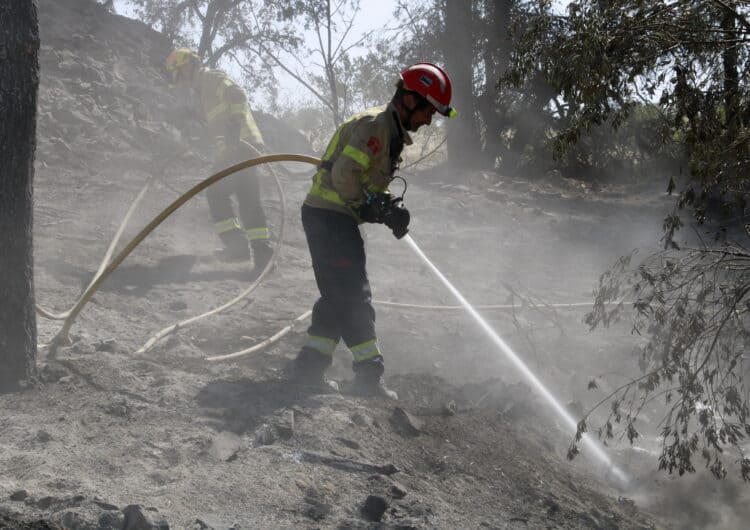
[695, 502]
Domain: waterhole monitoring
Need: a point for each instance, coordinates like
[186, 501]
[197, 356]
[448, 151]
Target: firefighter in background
[230, 123]
[350, 188]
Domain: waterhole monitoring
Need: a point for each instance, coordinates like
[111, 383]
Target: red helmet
[432, 83]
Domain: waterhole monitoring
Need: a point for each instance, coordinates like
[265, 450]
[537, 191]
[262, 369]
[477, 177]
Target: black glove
[374, 208]
[384, 208]
[397, 219]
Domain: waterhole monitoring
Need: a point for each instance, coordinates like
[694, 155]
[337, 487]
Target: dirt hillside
[114, 438]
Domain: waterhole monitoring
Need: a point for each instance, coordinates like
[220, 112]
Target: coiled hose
[63, 338]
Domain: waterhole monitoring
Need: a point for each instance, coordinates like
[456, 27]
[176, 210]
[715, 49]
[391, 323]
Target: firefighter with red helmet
[349, 188]
[222, 104]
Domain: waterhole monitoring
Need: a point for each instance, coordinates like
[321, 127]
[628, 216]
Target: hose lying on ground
[62, 338]
[270, 340]
[269, 266]
[46, 313]
[286, 329]
[101, 275]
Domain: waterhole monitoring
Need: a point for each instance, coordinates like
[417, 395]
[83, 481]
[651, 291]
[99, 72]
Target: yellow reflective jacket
[220, 100]
[360, 158]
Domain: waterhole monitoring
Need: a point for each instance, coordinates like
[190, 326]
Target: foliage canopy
[607, 58]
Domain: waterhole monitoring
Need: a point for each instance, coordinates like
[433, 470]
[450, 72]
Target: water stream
[587, 441]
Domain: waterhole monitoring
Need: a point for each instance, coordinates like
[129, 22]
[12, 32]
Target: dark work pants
[245, 186]
[344, 309]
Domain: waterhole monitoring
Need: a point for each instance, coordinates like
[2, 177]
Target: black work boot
[308, 369]
[235, 247]
[368, 380]
[262, 254]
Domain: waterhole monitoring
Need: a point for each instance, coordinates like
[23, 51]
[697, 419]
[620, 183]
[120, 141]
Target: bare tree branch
[742, 20]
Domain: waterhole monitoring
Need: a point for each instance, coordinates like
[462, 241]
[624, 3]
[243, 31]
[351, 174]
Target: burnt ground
[222, 444]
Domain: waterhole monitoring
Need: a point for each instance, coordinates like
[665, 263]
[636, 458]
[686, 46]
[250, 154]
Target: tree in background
[226, 32]
[19, 82]
[473, 40]
[495, 54]
[370, 81]
[327, 69]
[442, 32]
[691, 60]
[508, 125]
[457, 41]
[261, 37]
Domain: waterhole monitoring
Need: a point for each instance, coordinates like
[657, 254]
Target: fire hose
[46, 313]
[62, 338]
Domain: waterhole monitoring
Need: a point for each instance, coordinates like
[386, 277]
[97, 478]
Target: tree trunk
[19, 82]
[330, 68]
[731, 76]
[463, 133]
[496, 58]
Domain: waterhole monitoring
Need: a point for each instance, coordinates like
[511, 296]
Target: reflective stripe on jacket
[360, 158]
[221, 101]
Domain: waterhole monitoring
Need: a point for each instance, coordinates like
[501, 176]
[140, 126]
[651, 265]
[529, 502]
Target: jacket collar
[396, 126]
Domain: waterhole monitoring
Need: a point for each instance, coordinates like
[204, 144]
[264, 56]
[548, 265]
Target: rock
[280, 427]
[104, 505]
[264, 435]
[450, 408]
[374, 508]
[283, 424]
[361, 419]
[553, 507]
[55, 503]
[386, 486]
[45, 502]
[225, 446]
[317, 510]
[19, 495]
[351, 444]
[75, 519]
[80, 348]
[161, 478]
[397, 491]
[405, 423]
[346, 464]
[139, 518]
[111, 520]
[88, 516]
[627, 502]
[108, 345]
[50, 373]
[119, 408]
[43, 436]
